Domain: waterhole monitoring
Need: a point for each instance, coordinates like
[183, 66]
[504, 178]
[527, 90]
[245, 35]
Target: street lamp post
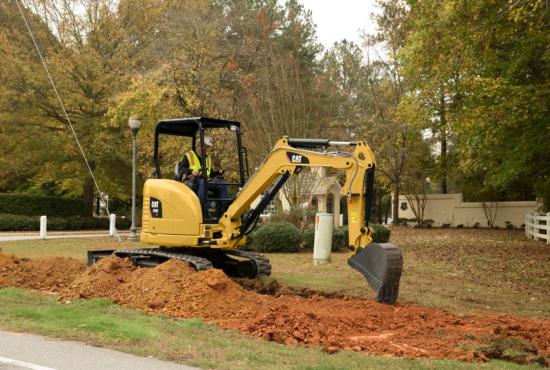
[134, 124]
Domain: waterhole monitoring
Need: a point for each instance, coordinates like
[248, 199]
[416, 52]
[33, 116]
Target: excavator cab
[212, 204]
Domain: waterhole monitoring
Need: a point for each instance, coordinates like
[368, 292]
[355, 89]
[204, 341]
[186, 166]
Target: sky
[341, 19]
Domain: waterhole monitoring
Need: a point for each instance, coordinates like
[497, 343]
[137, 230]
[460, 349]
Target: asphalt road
[26, 351]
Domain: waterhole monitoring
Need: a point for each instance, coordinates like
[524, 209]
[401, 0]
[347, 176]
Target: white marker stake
[112, 224]
[43, 226]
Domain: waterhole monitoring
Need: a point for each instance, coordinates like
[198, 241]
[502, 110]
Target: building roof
[325, 185]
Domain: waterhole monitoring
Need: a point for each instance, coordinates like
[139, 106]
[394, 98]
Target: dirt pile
[45, 274]
[312, 320]
[178, 290]
[103, 279]
[410, 331]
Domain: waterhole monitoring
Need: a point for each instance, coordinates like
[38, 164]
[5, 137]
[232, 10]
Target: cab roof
[189, 126]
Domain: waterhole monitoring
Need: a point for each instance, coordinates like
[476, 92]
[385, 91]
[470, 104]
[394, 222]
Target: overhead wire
[67, 118]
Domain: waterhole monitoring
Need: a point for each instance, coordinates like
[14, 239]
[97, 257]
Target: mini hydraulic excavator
[208, 234]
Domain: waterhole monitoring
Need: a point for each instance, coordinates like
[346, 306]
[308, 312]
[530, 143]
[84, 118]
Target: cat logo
[297, 158]
[155, 206]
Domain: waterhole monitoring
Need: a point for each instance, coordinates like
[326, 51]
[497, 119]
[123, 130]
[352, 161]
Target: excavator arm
[381, 264]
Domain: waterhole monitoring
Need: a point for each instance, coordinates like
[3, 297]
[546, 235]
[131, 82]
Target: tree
[490, 60]
[391, 135]
[86, 50]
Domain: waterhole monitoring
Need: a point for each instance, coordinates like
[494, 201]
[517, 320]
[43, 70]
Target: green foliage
[380, 233]
[340, 238]
[277, 237]
[308, 237]
[31, 205]
[486, 80]
[9, 222]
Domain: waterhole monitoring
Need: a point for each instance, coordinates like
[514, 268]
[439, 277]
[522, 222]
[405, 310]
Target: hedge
[277, 237]
[32, 205]
[31, 223]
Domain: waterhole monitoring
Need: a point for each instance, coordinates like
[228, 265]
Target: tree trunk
[88, 197]
[443, 134]
[395, 213]
[379, 206]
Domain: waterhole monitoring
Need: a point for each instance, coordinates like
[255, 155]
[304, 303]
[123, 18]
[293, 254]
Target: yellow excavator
[209, 234]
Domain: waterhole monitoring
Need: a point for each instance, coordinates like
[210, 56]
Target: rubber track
[262, 262]
[198, 263]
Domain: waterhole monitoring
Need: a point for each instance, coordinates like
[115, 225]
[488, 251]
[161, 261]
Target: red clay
[332, 323]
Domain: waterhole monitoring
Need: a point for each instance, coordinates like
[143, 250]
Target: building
[451, 210]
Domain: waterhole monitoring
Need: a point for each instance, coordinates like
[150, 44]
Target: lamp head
[134, 123]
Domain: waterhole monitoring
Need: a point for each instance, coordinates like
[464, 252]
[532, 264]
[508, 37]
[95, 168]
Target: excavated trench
[278, 313]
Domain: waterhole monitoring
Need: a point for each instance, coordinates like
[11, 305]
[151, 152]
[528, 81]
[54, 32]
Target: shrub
[31, 223]
[277, 237]
[425, 223]
[403, 221]
[32, 205]
[251, 237]
[340, 238]
[380, 233]
[309, 237]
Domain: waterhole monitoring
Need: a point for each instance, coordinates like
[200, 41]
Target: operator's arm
[184, 169]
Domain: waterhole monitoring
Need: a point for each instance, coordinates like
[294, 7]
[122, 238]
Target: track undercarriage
[235, 262]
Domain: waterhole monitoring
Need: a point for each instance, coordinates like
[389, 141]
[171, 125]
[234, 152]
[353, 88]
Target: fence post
[112, 224]
[548, 228]
[43, 226]
[527, 224]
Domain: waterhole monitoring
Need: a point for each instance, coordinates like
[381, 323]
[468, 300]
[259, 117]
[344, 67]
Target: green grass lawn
[101, 323]
[68, 247]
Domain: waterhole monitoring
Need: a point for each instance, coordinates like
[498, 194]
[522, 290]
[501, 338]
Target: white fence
[537, 226]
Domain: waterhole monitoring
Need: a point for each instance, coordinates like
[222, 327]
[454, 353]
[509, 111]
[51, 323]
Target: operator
[190, 172]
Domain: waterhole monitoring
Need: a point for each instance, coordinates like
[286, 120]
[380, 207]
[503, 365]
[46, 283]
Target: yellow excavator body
[175, 218]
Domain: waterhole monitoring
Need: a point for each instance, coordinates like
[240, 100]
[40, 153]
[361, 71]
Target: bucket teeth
[381, 264]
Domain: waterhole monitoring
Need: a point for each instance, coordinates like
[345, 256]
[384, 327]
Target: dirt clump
[103, 278]
[333, 324]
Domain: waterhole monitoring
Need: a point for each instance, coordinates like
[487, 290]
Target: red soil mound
[46, 274]
[178, 290]
[333, 323]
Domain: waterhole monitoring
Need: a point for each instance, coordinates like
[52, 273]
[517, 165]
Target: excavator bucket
[381, 264]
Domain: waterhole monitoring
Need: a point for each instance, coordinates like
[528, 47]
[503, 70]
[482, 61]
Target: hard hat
[207, 140]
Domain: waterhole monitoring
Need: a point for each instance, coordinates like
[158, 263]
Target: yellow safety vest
[195, 162]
